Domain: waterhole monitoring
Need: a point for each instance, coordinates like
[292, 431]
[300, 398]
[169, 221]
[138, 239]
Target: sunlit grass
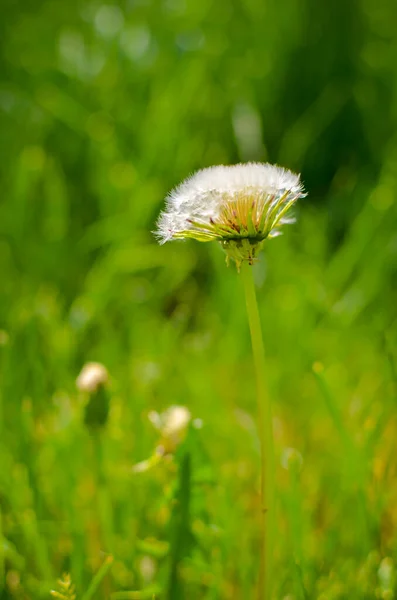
[101, 114]
[70, 495]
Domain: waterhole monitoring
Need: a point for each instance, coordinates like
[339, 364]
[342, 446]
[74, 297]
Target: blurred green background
[103, 109]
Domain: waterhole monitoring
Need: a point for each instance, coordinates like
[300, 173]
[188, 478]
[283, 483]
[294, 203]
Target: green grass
[101, 113]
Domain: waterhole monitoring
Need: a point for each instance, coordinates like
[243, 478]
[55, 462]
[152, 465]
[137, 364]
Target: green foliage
[103, 108]
[180, 534]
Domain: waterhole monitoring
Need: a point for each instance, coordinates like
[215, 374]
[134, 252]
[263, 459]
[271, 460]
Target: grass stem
[98, 577]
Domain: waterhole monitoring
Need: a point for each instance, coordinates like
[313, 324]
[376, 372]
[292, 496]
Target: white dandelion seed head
[172, 421]
[92, 376]
[243, 204]
[175, 420]
[202, 195]
[172, 425]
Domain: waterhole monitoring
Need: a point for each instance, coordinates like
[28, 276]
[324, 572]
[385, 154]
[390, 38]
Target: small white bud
[92, 376]
[172, 425]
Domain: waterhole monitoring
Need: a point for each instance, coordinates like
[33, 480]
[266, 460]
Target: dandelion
[172, 425]
[92, 382]
[91, 377]
[241, 206]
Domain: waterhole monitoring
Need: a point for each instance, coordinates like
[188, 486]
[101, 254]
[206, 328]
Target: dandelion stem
[265, 435]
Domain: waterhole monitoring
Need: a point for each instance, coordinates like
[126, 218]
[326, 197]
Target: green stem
[265, 430]
[97, 579]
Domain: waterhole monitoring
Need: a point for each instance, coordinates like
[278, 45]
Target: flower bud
[93, 380]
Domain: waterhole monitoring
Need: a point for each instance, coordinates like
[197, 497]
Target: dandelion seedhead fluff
[91, 377]
[240, 206]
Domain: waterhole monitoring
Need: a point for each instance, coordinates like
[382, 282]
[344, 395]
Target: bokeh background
[103, 109]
